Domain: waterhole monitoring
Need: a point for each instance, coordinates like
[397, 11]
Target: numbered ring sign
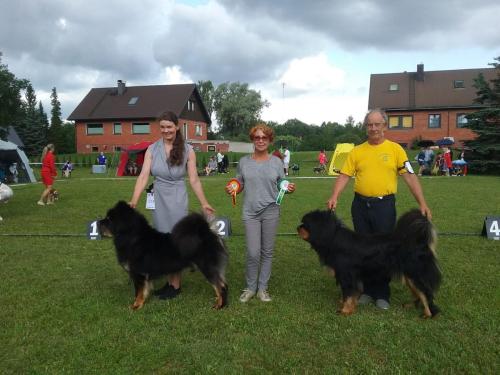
[491, 227]
[221, 226]
[93, 231]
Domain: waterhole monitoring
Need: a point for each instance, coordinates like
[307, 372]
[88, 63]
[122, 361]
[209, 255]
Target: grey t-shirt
[260, 183]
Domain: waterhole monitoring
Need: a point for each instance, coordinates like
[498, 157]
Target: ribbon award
[283, 186]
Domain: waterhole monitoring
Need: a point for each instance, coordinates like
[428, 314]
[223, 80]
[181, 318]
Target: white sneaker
[246, 295]
[40, 203]
[264, 296]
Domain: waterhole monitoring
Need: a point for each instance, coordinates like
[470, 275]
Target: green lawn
[64, 299]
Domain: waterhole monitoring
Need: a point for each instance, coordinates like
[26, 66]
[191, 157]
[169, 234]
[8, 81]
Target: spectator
[322, 159]
[101, 159]
[286, 160]
[211, 166]
[67, 168]
[220, 159]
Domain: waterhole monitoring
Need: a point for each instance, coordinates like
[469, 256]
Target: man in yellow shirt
[376, 165]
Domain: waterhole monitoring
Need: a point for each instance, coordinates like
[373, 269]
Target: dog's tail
[418, 251]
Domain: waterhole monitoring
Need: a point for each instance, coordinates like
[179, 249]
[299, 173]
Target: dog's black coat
[407, 252]
[147, 254]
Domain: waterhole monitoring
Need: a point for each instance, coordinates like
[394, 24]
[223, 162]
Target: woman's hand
[209, 211]
[229, 189]
[291, 187]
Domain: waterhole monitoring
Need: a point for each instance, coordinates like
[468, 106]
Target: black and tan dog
[407, 252]
[147, 254]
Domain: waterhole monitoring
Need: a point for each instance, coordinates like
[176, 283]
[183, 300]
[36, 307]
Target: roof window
[133, 100]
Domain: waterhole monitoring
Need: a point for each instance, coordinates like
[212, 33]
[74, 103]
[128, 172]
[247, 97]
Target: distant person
[101, 159]
[14, 173]
[48, 173]
[225, 163]
[220, 160]
[322, 159]
[376, 165]
[286, 159]
[447, 162]
[211, 166]
[67, 168]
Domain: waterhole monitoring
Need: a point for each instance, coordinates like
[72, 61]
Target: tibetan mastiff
[147, 254]
[408, 252]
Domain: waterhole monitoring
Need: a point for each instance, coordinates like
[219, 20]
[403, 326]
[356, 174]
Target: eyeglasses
[260, 138]
[376, 124]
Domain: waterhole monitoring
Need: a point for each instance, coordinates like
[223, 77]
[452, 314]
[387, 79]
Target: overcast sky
[311, 60]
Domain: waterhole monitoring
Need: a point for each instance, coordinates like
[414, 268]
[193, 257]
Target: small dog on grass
[147, 254]
[407, 252]
[53, 196]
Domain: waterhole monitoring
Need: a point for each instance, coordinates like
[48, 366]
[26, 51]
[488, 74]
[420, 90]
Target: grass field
[64, 299]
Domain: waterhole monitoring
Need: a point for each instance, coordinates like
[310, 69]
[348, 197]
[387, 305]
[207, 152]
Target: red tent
[139, 149]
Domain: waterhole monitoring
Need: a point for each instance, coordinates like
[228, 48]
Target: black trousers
[371, 215]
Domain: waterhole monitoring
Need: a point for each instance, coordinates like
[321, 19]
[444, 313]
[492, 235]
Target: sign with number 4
[491, 227]
[221, 226]
[93, 231]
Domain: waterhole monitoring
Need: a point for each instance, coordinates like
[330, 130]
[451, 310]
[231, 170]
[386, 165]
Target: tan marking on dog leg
[139, 298]
[349, 306]
[423, 299]
[218, 297]
[413, 291]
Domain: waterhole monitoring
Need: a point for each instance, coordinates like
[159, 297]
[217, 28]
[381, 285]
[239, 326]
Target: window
[394, 87]
[117, 128]
[140, 128]
[95, 129]
[118, 148]
[400, 122]
[133, 100]
[211, 148]
[459, 84]
[190, 105]
[434, 121]
[461, 120]
[198, 130]
[95, 148]
[185, 130]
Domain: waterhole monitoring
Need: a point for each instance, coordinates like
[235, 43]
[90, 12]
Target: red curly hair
[265, 129]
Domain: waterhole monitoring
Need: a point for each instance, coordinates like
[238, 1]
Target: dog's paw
[137, 305]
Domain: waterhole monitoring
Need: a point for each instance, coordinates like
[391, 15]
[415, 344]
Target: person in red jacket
[447, 165]
[48, 172]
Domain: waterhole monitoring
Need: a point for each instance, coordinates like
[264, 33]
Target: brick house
[112, 118]
[431, 105]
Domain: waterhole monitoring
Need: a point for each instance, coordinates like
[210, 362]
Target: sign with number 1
[93, 231]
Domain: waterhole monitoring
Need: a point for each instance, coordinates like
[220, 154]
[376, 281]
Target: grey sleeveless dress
[171, 199]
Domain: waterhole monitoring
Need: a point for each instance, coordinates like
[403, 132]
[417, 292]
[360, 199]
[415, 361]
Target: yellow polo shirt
[376, 168]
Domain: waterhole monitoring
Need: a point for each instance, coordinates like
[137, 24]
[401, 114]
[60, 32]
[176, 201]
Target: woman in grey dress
[168, 160]
[259, 175]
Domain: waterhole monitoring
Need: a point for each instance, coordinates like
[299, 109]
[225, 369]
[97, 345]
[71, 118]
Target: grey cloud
[389, 25]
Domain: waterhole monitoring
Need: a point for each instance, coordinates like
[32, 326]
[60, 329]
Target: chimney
[420, 72]
[121, 87]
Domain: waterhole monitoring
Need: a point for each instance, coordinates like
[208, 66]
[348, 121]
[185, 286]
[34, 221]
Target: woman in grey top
[259, 175]
[168, 160]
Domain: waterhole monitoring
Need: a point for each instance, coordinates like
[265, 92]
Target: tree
[11, 105]
[55, 134]
[31, 127]
[237, 107]
[206, 90]
[484, 156]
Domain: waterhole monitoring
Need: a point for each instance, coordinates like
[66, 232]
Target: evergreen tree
[31, 129]
[11, 105]
[44, 121]
[484, 156]
[55, 134]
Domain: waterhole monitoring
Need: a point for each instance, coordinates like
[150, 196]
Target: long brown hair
[177, 153]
